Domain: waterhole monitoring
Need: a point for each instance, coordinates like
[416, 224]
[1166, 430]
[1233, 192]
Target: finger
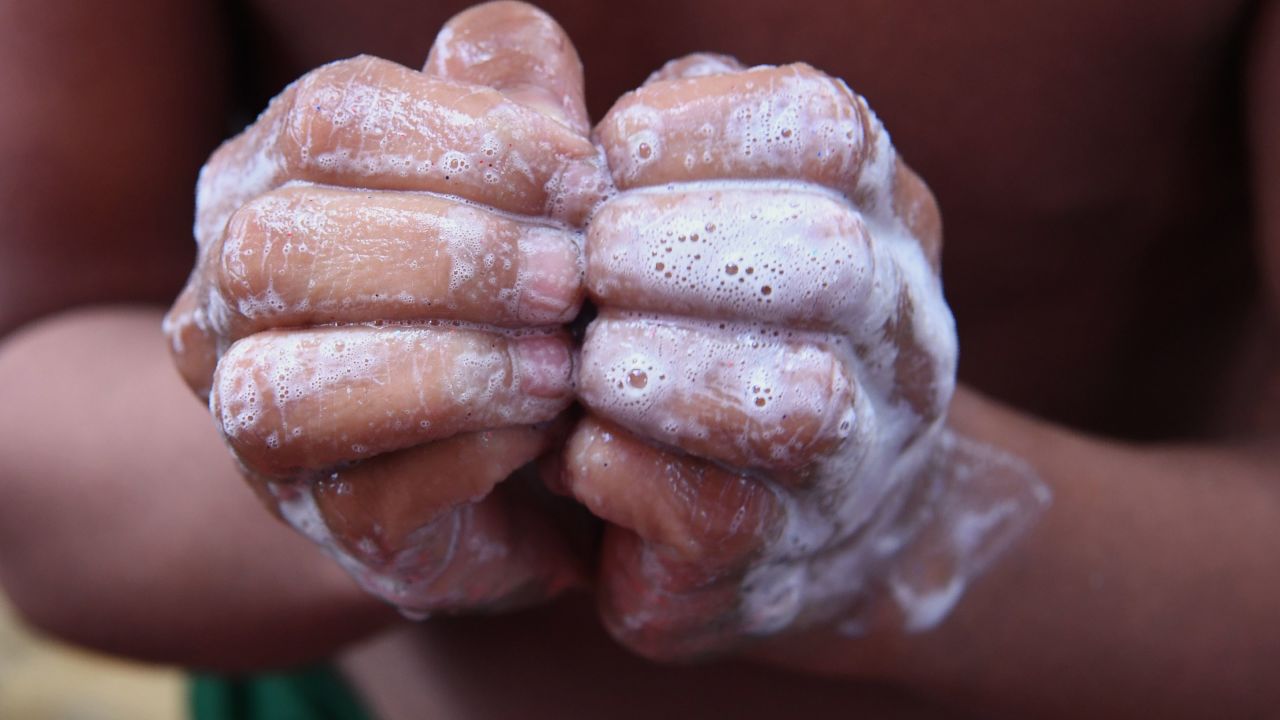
[519, 50]
[748, 396]
[309, 399]
[665, 608]
[373, 508]
[247, 165]
[914, 203]
[426, 534]
[690, 508]
[504, 552]
[695, 65]
[370, 123]
[789, 122]
[429, 531]
[795, 256]
[192, 344]
[309, 255]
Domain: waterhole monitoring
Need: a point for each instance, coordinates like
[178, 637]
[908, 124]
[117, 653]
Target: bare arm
[123, 493]
[1151, 585]
[124, 524]
[1148, 586]
[126, 527]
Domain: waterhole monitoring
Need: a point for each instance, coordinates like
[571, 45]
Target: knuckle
[915, 205]
[605, 221]
[922, 370]
[851, 272]
[191, 343]
[319, 109]
[245, 266]
[303, 123]
[778, 405]
[790, 122]
[816, 415]
[594, 387]
[601, 233]
[631, 134]
[242, 407]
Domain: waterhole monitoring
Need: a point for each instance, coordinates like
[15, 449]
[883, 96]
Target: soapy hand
[770, 369]
[380, 358]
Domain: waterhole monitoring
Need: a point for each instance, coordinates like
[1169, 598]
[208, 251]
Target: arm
[383, 442]
[114, 484]
[126, 527]
[1151, 585]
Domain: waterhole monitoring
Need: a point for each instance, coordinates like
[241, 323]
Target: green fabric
[316, 693]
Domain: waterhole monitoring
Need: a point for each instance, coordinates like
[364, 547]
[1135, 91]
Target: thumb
[519, 50]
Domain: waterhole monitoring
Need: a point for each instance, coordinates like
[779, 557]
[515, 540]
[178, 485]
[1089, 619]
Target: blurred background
[44, 680]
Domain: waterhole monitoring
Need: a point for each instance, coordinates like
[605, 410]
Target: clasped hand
[389, 260]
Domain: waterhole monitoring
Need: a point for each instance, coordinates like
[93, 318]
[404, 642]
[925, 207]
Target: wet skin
[1068, 148]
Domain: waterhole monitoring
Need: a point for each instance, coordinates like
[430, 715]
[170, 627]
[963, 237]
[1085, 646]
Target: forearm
[125, 525]
[1151, 587]
[1151, 582]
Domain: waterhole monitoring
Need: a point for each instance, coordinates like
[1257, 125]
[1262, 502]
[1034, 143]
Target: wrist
[976, 500]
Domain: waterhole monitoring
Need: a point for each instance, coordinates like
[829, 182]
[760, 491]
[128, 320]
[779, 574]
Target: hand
[772, 361]
[386, 258]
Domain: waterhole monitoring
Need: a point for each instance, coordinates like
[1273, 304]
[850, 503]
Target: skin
[1068, 622]
[410, 251]
[673, 357]
[326, 175]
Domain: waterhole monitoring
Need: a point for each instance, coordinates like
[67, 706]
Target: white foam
[772, 254]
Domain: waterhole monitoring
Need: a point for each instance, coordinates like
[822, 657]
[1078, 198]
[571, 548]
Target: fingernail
[550, 277]
[543, 366]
